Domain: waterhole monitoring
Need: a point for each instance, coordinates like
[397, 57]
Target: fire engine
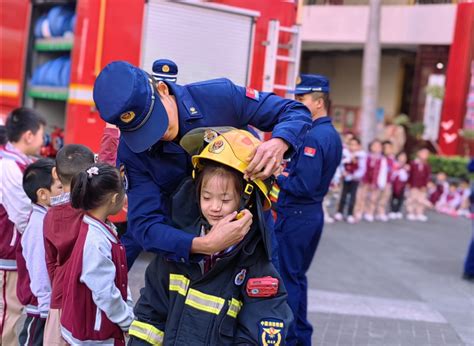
[52, 51]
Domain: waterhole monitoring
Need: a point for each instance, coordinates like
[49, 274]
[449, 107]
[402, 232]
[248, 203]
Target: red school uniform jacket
[61, 228]
[391, 167]
[95, 304]
[420, 173]
[373, 169]
[400, 177]
[9, 238]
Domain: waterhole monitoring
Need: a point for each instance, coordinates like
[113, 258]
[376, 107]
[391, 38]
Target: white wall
[400, 25]
[344, 72]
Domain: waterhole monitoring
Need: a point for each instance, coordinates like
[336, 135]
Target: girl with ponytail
[97, 307]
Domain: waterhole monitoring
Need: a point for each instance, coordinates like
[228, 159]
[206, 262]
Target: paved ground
[395, 283]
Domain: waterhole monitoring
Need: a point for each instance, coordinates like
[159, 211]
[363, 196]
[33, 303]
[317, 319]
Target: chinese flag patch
[308, 151]
[252, 94]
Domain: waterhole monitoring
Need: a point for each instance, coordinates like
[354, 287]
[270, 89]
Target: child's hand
[228, 231]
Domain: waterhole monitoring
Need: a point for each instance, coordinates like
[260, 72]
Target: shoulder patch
[252, 94]
[309, 151]
[270, 332]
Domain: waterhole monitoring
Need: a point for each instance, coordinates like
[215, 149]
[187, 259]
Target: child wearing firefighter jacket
[228, 298]
[97, 306]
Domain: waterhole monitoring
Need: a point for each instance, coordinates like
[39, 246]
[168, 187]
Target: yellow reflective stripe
[146, 332]
[179, 283]
[204, 302]
[234, 307]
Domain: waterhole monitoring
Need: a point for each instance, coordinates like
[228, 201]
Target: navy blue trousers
[469, 263]
[298, 232]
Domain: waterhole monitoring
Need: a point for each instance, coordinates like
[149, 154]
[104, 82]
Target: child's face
[34, 141]
[453, 188]
[348, 138]
[354, 146]
[218, 198]
[402, 159]
[423, 154]
[376, 148]
[44, 195]
[388, 149]
[441, 177]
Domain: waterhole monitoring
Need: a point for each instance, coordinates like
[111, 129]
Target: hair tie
[92, 171]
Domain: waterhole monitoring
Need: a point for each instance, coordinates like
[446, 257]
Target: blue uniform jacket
[312, 168]
[155, 174]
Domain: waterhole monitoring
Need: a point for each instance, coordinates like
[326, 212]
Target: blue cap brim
[299, 92]
[303, 92]
[151, 132]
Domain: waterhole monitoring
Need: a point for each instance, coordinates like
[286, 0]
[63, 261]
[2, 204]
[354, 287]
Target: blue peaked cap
[166, 70]
[309, 83]
[126, 97]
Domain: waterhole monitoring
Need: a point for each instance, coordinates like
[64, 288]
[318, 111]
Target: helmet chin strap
[246, 195]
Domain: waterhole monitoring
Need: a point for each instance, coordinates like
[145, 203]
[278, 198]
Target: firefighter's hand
[266, 159]
[228, 232]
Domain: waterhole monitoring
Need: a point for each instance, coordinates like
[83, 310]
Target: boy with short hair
[381, 213]
[34, 287]
[420, 172]
[352, 171]
[440, 189]
[61, 227]
[465, 193]
[25, 129]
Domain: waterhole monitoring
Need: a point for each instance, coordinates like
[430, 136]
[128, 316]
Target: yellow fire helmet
[234, 149]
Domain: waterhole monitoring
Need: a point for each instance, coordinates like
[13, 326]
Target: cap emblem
[165, 69]
[127, 117]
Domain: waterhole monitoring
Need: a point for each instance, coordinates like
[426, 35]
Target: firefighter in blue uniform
[153, 115]
[164, 70]
[469, 262]
[302, 185]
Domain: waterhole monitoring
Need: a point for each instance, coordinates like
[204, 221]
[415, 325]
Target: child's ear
[114, 198]
[27, 136]
[42, 195]
[54, 173]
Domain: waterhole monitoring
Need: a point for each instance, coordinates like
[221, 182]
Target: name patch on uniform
[308, 151]
[252, 94]
[270, 330]
[240, 277]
